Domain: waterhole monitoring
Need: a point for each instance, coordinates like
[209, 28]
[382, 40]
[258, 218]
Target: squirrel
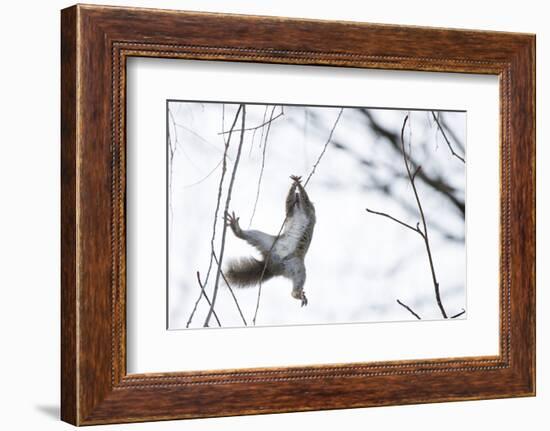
[283, 255]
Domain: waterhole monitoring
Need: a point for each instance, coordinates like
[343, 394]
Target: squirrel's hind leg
[296, 271]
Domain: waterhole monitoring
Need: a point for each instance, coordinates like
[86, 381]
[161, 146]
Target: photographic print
[293, 215]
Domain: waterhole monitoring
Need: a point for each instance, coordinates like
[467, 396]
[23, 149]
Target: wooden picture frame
[95, 43]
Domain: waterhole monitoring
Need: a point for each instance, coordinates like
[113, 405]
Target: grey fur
[246, 272]
[286, 257]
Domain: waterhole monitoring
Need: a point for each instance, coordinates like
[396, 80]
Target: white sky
[358, 263]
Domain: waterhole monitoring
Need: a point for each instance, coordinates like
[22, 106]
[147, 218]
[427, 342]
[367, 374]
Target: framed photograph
[322, 214]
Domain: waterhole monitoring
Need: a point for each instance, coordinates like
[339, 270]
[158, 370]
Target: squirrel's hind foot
[301, 295]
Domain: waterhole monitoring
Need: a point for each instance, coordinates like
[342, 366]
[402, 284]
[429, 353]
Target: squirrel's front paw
[304, 299]
[232, 221]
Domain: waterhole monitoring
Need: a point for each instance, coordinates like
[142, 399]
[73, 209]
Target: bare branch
[424, 231]
[408, 226]
[218, 203]
[438, 183]
[198, 136]
[409, 309]
[255, 130]
[265, 123]
[434, 224]
[450, 132]
[242, 108]
[172, 147]
[267, 259]
[262, 168]
[203, 293]
[196, 183]
[446, 139]
[416, 172]
[424, 225]
[230, 290]
[324, 148]
[458, 314]
[386, 185]
[182, 148]
[268, 255]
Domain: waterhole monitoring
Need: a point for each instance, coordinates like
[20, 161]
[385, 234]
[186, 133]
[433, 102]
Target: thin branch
[254, 133]
[446, 139]
[227, 202]
[324, 148]
[385, 186]
[409, 309]
[424, 225]
[203, 293]
[265, 123]
[451, 133]
[305, 137]
[267, 259]
[416, 172]
[218, 201]
[268, 255]
[196, 183]
[436, 182]
[201, 138]
[230, 290]
[458, 314]
[408, 226]
[172, 152]
[423, 232]
[434, 225]
[173, 149]
[262, 168]
[182, 148]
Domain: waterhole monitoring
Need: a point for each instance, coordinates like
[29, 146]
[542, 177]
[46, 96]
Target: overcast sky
[358, 264]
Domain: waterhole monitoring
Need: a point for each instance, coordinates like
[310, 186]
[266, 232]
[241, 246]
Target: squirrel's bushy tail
[247, 272]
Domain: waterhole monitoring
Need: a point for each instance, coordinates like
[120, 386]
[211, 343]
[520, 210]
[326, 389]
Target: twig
[200, 137]
[230, 290]
[203, 292]
[171, 159]
[189, 159]
[423, 232]
[451, 133]
[435, 182]
[218, 201]
[409, 309]
[458, 314]
[446, 139]
[227, 201]
[424, 225]
[262, 168]
[386, 185]
[324, 148]
[205, 177]
[254, 134]
[265, 123]
[434, 225]
[172, 151]
[268, 255]
[408, 226]
[267, 258]
[416, 172]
